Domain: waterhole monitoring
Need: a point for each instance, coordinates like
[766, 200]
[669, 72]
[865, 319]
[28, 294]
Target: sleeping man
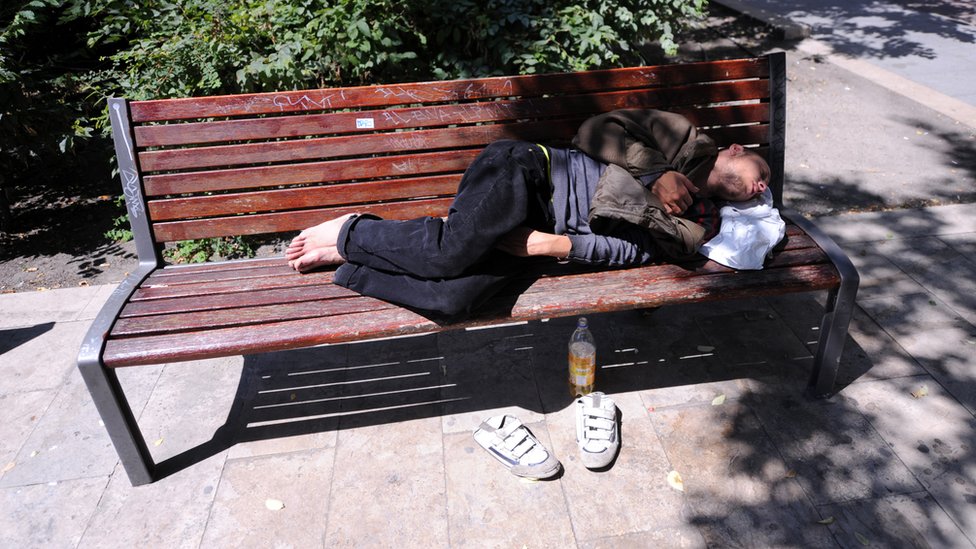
[636, 186]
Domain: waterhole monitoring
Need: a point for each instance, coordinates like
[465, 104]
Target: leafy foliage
[198, 251]
[60, 59]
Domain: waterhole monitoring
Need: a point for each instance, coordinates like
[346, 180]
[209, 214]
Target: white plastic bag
[749, 232]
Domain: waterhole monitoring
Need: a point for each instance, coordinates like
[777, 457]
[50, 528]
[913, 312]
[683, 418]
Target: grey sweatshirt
[574, 179]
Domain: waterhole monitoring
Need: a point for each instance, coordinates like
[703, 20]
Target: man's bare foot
[323, 235]
[319, 257]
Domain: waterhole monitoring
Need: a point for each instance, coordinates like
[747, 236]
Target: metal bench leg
[833, 334]
[106, 391]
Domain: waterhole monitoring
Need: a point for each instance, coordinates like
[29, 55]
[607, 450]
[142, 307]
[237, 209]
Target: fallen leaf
[274, 504]
[828, 520]
[864, 541]
[920, 392]
[9, 466]
[83, 283]
[158, 442]
[791, 474]
[675, 481]
[31, 269]
[719, 400]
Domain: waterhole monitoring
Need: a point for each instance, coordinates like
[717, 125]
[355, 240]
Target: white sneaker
[596, 430]
[511, 443]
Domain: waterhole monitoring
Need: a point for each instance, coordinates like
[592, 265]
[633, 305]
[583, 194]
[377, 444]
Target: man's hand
[525, 242]
[674, 190]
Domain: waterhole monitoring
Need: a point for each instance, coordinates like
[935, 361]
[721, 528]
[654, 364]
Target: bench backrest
[275, 162]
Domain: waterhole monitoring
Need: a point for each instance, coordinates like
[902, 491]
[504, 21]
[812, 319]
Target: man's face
[745, 180]
[738, 175]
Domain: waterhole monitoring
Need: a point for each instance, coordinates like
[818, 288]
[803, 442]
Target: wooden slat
[217, 266]
[290, 221]
[277, 269]
[757, 134]
[607, 291]
[317, 172]
[237, 286]
[210, 302]
[242, 316]
[446, 91]
[305, 197]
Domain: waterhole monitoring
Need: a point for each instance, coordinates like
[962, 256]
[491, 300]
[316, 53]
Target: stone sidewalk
[370, 444]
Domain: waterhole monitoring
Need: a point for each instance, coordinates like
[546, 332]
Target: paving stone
[494, 375]
[287, 401]
[70, 440]
[30, 308]
[399, 470]
[834, 452]
[634, 489]
[99, 297]
[190, 402]
[21, 414]
[943, 271]
[750, 339]
[736, 483]
[911, 520]
[399, 381]
[879, 276]
[678, 537]
[245, 512]
[869, 352]
[941, 341]
[487, 506]
[52, 514]
[171, 512]
[931, 434]
[899, 223]
[671, 359]
[964, 243]
[42, 358]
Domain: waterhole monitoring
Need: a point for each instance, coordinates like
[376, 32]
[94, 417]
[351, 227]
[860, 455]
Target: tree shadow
[879, 30]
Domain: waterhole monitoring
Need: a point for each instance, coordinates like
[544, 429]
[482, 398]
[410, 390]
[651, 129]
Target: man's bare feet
[323, 235]
[319, 257]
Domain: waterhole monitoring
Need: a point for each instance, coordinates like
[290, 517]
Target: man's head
[739, 174]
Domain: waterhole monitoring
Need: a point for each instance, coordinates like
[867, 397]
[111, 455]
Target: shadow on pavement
[13, 338]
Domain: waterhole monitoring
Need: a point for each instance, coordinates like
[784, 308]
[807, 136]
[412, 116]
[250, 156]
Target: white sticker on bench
[364, 124]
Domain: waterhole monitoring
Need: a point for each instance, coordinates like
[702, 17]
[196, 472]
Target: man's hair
[764, 172]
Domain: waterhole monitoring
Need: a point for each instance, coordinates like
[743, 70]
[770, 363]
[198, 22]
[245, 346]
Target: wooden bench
[279, 162]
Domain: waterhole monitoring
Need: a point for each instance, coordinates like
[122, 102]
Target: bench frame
[122, 426]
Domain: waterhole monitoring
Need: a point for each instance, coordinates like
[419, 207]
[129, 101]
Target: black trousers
[446, 267]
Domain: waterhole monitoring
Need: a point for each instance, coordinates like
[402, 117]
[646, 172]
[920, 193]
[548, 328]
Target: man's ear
[735, 149]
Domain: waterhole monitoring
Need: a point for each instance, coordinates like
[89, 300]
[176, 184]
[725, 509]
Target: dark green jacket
[636, 142]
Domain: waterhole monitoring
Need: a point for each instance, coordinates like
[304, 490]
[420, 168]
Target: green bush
[60, 59]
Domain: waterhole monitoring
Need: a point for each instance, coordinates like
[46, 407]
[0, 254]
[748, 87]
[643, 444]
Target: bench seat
[195, 312]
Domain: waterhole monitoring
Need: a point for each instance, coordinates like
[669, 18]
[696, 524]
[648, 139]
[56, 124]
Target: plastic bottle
[582, 360]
